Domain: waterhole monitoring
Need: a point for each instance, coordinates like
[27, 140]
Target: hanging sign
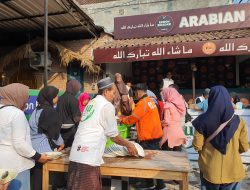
[238, 46]
[183, 22]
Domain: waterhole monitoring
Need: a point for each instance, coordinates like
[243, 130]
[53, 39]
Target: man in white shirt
[97, 123]
[168, 80]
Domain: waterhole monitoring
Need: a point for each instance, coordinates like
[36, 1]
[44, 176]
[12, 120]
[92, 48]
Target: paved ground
[194, 180]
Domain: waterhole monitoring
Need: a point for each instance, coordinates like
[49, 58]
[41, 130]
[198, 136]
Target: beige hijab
[15, 94]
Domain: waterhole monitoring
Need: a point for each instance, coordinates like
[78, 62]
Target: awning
[22, 20]
[216, 43]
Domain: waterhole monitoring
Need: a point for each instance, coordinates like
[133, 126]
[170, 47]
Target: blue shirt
[39, 140]
[203, 105]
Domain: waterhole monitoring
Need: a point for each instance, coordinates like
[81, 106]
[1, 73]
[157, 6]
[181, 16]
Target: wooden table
[165, 165]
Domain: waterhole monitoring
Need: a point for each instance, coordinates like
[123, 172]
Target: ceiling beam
[67, 27]
[21, 13]
[33, 16]
[50, 29]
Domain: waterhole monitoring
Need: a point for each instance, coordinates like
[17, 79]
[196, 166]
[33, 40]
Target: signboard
[238, 46]
[32, 103]
[183, 22]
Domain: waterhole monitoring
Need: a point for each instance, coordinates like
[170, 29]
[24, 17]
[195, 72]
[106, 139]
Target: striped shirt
[39, 140]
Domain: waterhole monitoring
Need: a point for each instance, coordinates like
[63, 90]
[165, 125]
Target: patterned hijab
[15, 94]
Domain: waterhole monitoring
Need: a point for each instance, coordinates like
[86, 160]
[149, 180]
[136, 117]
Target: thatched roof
[64, 55]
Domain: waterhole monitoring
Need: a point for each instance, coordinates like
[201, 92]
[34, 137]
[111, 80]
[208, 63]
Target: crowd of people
[85, 123]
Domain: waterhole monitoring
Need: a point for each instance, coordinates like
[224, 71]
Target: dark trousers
[68, 136]
[152, 145]
[206, 185]
[166, 147]
[56, 179]
[36, 177]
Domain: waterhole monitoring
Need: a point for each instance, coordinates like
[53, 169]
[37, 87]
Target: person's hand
[4, 186]
[121, 118]
[61, 147]
[132, 150]
[44, 158]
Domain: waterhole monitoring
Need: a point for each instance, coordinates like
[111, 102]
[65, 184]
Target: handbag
[218, 130]
[188, 117]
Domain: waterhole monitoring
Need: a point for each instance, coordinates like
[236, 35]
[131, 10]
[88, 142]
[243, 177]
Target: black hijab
[49, 122]
[220, 110]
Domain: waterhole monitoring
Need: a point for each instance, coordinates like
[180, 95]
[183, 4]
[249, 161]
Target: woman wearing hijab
[15, 144]
[69, 111]
[219, 139]
[174, 110]
[83, 100]
[45, 127]
[121, 101]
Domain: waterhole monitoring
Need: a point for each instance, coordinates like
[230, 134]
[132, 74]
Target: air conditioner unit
[38, 60]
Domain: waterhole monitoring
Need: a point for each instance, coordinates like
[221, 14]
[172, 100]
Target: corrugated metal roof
[66, 19]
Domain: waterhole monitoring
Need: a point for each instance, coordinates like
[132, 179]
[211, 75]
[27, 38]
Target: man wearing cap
[203, 105]
[148, 127]
[97, 123]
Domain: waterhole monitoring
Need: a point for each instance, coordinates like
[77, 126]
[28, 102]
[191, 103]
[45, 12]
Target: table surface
[154, 160]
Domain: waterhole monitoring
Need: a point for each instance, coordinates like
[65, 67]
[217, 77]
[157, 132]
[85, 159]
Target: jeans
[206, 185]
[21, 182]
[153, 145]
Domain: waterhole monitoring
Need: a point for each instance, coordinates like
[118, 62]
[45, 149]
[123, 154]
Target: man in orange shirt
[148, 127]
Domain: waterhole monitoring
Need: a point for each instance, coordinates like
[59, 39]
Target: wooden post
[45, 182]
[46, 43]
[193, 84]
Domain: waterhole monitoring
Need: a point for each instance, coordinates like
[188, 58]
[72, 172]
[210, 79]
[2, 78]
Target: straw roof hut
[59, 54]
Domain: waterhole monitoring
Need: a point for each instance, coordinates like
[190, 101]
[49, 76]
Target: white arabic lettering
[242, 47]
[186, 52]
[227, 47]
[131, 55]
[119, 55]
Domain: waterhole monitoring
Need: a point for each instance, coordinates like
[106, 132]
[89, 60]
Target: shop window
[210, 71]
[152, 73]
[245, 73]
[215, 70]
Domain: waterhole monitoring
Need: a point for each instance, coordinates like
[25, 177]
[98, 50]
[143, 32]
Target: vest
[90, 140]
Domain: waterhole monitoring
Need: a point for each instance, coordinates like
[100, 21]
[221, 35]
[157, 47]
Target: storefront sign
[240, 46]
[180, 22]
[32, 103]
